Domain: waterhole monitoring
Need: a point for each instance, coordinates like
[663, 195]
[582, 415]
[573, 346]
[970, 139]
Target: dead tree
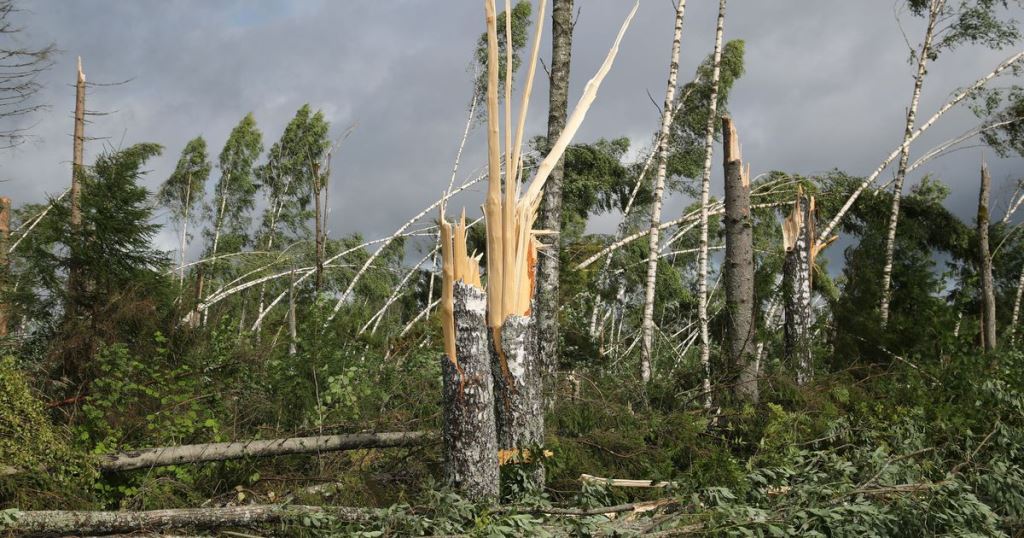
[739, 266]
[659, 188]
[470, 449]
[77, 173]
[988, 297]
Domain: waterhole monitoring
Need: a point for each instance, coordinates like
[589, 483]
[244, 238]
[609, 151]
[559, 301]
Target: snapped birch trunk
[705, 199]
[901, 171]
[519, 402]
[988, 296]
[739, 267]
[659, 188]
[470, 449]
[798, 236]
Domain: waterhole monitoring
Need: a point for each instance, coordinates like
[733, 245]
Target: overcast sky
[826, 86]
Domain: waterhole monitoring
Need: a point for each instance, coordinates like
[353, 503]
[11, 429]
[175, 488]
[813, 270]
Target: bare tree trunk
[79, 523]
[519, 406]
[1016, 308]
[318, 230]
[469, 433]
[184, 231]
[923, 55]
[78, 157]
[5, 233]
[206, 452]
[77, 172]
[293, 337]
[739, 266]
[659, 188]
[705, 198]
[798, 237]
[985, 264]
[550, 215]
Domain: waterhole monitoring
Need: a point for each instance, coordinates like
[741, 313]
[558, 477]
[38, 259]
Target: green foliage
[520, 22]
[235, 193]
[184, 190]
[35, 455]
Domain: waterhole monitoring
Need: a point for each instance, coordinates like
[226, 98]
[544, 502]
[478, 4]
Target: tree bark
[5, 232]
[659, 188]
[985, 264]
[184, 231]
[77, 172]
[935, 8]
[1016, 307]
[79, 523]
[798, 236]
[739, 267]
[550, 215]
[175, 455]
[318, 242]
[470, 449]
[705, 198]
[293, 336]
[519, 405]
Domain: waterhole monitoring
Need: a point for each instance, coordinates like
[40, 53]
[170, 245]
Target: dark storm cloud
[826, 86]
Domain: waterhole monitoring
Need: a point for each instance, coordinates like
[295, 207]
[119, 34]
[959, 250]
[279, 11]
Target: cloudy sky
[827, 84]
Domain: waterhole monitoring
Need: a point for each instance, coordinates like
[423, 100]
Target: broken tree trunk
[77, 173]
[988, 297]
[200, 453]
[519, 411]
[80, 523]
[659, 188]
[469, 435]
[739, 267]
[798, 235]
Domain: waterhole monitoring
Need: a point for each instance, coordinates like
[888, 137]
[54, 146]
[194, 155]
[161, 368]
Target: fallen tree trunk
[79, 523]
[174, 455]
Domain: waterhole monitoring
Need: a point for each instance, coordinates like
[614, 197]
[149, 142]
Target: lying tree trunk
[739, 267]
[174, 455]
[985, 264]
[798, 235]
[519, 410]
[469, 436]
[79, 523]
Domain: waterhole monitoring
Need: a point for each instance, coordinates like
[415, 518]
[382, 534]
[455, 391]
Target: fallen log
[174, 455]
[79, 523]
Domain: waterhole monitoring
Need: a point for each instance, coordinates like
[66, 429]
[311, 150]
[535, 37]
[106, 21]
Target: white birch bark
[659, 187]
[705, 197]
[923, 56]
